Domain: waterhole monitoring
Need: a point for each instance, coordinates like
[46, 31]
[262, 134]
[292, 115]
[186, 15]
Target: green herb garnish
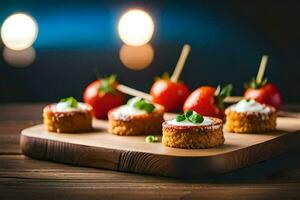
[191, 116]
[151, 139]
[255, 84]
[107, 85]
[180, 118]
[221, 94]
[141, 104]
[188, 113]
[164, 76]
[71, 101]
[195, 118]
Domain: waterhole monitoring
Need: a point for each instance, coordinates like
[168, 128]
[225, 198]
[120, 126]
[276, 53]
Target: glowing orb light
[19, 31]
[136, 58]
[19, 59]
[136, 27]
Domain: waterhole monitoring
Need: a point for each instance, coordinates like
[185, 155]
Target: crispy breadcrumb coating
[250, 122]
[67, 122]
[143, 124]
[193, 137]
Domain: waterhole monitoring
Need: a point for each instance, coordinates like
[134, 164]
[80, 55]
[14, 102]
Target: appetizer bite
[169, 94]
[169, 91]
[102, 95]
[137, 117]
[263, 92]
[166, 91]
[208, 101]
[193, 131]
[260, 90]
[68, 116]
[249, 116]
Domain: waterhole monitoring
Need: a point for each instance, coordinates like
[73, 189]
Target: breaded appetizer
[193, 131]
[68, 116]
[249, 116]
[137, 117]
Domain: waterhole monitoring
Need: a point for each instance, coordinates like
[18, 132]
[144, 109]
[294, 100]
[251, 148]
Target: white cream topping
[250, 106]
[65, 107]
[206, 121]
[133, 100]
[127, 110]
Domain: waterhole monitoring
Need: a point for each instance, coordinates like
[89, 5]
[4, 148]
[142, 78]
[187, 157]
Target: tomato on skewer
[102, 95]
[169, 94]
[208, 101]
[263, 92]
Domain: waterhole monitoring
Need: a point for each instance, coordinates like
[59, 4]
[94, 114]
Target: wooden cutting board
[101, 149]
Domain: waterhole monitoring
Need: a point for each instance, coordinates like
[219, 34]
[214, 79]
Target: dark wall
[227, 39]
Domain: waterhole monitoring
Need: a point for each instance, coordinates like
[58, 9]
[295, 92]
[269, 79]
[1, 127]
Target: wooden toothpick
[133, 92]
[262, 68]
[136, 93]
[180, 64]
[233, 99]
[174, 78]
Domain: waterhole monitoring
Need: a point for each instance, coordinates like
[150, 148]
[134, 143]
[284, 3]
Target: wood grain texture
[21, 111]
[24, 178]
[135, 191]
[10, 135]
[131, 154]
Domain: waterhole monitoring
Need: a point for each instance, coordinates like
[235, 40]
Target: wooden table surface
[25, 178]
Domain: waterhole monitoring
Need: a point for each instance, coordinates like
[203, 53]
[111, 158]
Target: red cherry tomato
[102, 102]
[169, 94]
[268, 94]
[202, 101]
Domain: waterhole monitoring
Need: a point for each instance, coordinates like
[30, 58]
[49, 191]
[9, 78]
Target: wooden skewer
[259, 78]
[180, 64]
[133, 92]
[175, 76]
[262, 68]
[233, 99]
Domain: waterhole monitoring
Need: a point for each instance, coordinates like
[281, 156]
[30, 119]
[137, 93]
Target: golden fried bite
[249, 116]
[188, 135]
[138, 117]
[68, 117]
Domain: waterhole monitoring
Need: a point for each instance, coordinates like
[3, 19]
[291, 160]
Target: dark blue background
[227, 39]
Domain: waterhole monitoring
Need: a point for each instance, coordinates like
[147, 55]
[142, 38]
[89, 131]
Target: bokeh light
[19, 59]
[136, 57]
[19, 31]
[136, 27]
